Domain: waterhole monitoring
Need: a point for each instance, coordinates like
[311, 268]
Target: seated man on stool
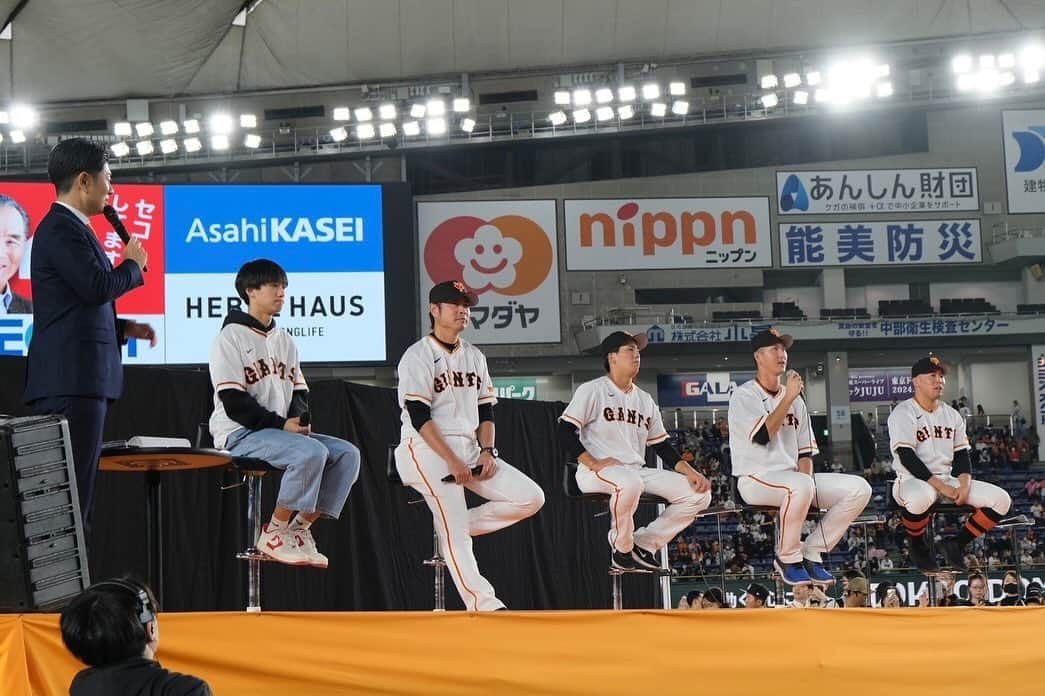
[113, 628]
[260, 396]
[606, 429]
[931, 459]
[772, 445]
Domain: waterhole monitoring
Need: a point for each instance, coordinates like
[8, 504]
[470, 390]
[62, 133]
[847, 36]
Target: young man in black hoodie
[112, 627]
[260, 404]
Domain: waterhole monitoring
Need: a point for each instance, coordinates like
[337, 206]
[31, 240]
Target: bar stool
[436, 562]
[573, 492]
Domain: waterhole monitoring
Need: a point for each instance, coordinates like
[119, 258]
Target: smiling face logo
[510, 254]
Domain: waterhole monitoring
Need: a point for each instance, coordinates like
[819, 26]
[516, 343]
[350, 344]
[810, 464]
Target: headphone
[146, 615]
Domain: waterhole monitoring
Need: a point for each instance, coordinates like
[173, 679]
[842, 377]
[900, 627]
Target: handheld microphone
[476, 470]
[117, 225]
[787, 376]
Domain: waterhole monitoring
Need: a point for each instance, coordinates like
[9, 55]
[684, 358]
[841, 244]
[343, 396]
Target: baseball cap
[771, 337]
[859, 585]
[928, 365]
[714, 595]
[613, 342]
[759, 591]
[1033, 593]
[452, 292]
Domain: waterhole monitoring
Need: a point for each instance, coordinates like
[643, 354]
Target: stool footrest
[252, 555]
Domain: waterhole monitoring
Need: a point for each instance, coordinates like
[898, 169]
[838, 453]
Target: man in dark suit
[74, 366]
[14, 236]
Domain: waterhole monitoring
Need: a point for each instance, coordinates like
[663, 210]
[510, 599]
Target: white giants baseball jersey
[749, 407]
[933, 435]
[615, 423]
[452, 383]
[264, 364]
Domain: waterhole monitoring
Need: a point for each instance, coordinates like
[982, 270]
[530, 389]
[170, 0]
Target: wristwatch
[491, 450]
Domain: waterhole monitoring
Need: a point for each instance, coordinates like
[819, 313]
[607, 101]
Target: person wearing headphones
[113, 628]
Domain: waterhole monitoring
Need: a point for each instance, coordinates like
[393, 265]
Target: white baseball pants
[512, 496]
[917, 496]
[624, 484]
[843, 496]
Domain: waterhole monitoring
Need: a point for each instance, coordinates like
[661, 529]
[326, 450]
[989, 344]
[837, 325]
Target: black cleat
[645, 559]
[923, 558]
[952, 553]
[623, 561]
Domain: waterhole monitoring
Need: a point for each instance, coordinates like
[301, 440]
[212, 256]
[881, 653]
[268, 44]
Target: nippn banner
[669, 233]
[505, 252]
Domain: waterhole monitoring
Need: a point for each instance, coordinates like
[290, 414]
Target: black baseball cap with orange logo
[928, 365]
[617, 339]
[771, 337]
[452, 292]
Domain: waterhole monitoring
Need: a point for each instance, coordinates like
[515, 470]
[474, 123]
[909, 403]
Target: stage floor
[949, 651]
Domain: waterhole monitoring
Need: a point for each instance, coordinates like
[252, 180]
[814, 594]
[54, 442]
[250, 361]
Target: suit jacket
[75, 349]
[19, 305]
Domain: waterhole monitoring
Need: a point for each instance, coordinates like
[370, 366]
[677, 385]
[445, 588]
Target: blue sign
[314, 229]
[699, 389]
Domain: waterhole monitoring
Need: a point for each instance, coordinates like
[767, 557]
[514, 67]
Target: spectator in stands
[1034, 593]
[888, 596]
[885, 564]
[979, 410]
[113, 628]
[856, 593]
[1016, 413]
[810, 596]
[756, 596]
[1010, 587]
[978, 591]
[693, 600]
[713, 599]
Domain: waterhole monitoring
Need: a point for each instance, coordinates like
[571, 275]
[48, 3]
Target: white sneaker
[306, 543]
[280, 545]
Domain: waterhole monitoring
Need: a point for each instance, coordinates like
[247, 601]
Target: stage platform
[951, 651]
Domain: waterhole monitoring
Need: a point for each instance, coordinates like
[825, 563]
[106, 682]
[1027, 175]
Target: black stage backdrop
[555, 560]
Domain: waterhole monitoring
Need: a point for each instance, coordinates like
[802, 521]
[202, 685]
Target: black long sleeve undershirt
[913, 464]
[570, 441]
[961, 463]
[245, 409]
[421, 413]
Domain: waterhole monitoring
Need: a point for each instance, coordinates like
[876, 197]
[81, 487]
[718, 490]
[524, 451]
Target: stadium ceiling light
[468, 125]
[192, 144]
[1007, 61]
[248, 121]
[961, 64]
[603, 95]
[17, 136]
[338, 134]
[191, 125]
[436, 126]
[658, 109]
[581, 97]
[120, 128]
[801, 97]
[169, 146]
[387, 130]
[581, 116]
[557, 117]
[626, 93]
[411, 128]
[884, 89]
[676, 88]
[650, 91]
[462, 105]
[121, 149]
[144, 129]
[770, 100]
[221, 124]
[365, 131]
[417, 110]
[1031, 75]
[23, 116]
[769, 82]
[813, 78]
[562, 97]
[604, 113]
[680, 107]
[822, 95]
[987, 61]
[387, 112]
[219, 142]
[253, 141]
[168, 127]
[144, 148]
[792, 80]
[364, 114]
[625, 112]
[342, 113]
[435, 107]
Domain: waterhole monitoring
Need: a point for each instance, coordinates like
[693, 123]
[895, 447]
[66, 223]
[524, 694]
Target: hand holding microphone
[794, 384]
[133, 248]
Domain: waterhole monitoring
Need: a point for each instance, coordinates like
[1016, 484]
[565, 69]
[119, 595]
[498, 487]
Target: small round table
[153, 461]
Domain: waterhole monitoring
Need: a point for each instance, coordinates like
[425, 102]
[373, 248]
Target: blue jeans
[318, 470]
